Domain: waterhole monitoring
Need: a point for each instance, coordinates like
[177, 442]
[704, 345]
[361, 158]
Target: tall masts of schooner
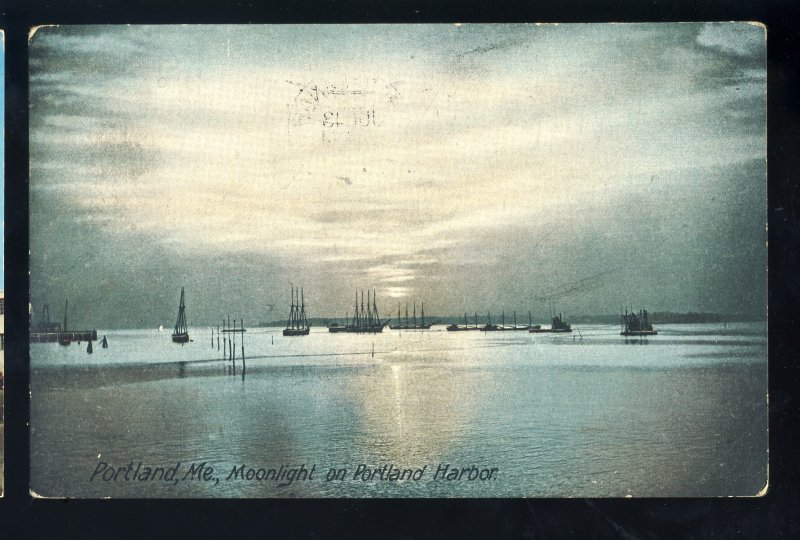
[297, 324]
[411, 323]
[365, 316]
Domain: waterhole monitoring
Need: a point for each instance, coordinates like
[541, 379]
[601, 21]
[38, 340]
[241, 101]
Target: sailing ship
[457, 328]
[181, 332]
[411, 324]
[366, 320]
[297, 324]
[637, 325]
[503, 326]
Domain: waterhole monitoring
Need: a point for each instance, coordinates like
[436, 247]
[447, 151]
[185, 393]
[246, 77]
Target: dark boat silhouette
[637, 325]
[181, 332]
[336, 327]
[411, 324]
[297, 324]
[366, 320]
[457, 328]
[557, 326]
[489, 327]
[504, 328]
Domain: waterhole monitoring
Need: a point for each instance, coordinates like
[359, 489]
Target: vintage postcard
[439, 260]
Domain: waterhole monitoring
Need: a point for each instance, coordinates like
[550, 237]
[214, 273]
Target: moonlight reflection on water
[682, 414]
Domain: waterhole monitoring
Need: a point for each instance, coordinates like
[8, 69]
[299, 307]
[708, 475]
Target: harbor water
[585, 414]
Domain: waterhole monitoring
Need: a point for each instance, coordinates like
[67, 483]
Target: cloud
[391, 156]
[738, 39]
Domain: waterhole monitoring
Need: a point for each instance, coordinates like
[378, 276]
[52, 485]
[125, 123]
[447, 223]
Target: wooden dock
[54, 337]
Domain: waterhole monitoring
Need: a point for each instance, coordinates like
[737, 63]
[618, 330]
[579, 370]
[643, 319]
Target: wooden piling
[224, 341]
[244, 365]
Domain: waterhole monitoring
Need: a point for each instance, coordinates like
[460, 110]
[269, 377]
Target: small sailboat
[297, 325]
[181, 332]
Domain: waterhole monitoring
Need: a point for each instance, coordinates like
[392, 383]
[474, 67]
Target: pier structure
[52, 332]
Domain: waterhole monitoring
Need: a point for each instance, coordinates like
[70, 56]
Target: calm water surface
[683, 413]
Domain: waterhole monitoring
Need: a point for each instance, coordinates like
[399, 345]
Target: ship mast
[303, 309]
[375, 309]
[180, 324]
[293, 311]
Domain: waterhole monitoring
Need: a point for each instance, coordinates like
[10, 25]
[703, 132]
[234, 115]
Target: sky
[475, 168]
